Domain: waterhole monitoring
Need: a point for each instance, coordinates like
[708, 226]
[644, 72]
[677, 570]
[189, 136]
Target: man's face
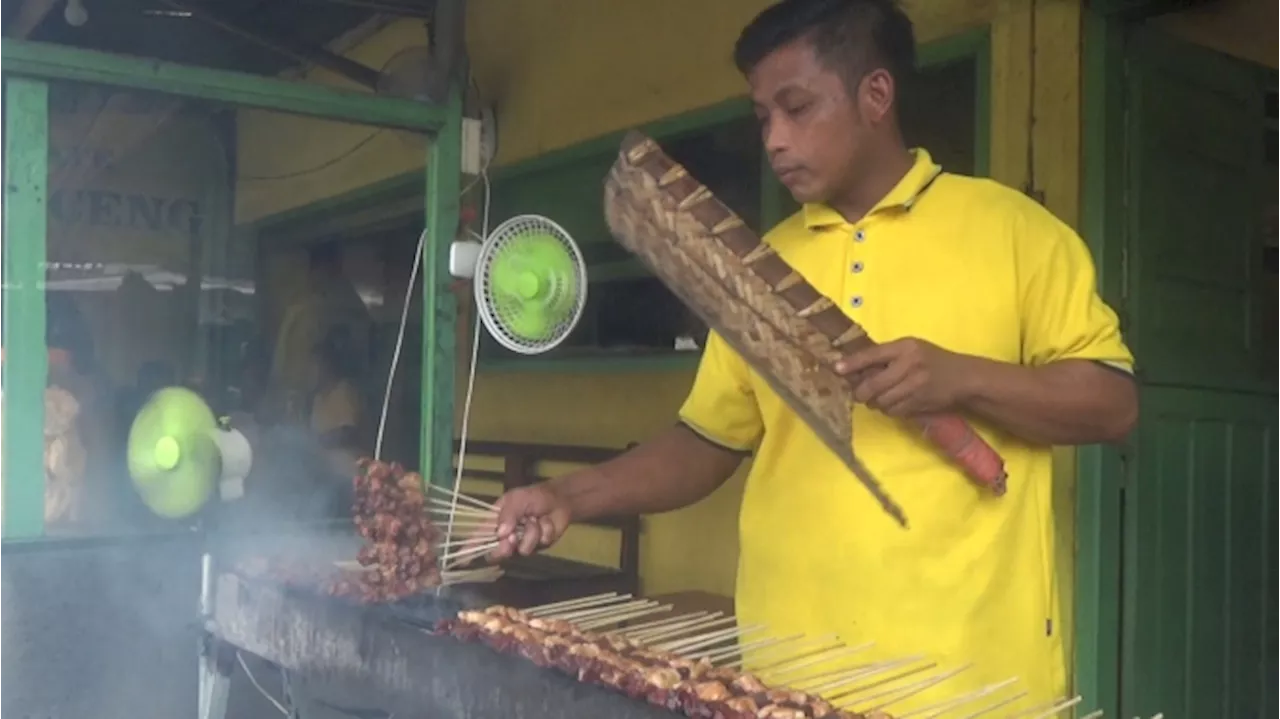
[814, 131]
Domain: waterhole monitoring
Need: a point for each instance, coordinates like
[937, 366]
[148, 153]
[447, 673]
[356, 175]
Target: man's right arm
[670, 471]
[720, 423]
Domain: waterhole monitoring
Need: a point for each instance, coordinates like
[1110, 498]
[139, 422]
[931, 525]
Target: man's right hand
[529, 519]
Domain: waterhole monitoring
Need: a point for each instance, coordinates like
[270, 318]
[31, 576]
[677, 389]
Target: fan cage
[489, 306]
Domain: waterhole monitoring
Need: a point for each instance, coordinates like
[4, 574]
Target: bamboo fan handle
[956, 439]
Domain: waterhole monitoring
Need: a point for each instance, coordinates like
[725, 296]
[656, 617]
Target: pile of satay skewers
[408, 530]
[693, 663]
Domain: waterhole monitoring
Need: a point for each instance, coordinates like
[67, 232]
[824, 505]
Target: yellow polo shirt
[973, 267]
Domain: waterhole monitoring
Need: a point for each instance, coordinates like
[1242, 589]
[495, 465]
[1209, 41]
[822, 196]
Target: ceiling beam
[344, 42]
[29, 16]
[299, 50]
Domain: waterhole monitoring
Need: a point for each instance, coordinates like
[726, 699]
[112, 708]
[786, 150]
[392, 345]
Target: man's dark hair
[851, 37]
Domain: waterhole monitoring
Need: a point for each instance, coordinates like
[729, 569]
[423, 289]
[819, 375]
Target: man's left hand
[908, 377]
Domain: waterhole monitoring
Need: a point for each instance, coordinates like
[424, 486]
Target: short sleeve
[721, 406]
[1063, 316]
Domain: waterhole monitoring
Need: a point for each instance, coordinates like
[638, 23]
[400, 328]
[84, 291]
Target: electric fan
[178, 453]
[530, 282]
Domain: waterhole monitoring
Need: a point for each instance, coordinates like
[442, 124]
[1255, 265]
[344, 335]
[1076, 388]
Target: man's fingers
[868, 358]
[898, 400]
[548, 529]
[531, 538]
[869, 390]
[510, 511]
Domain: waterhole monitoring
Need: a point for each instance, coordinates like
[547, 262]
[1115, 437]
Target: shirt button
[859, 236]
[856, 302]
[857, 267]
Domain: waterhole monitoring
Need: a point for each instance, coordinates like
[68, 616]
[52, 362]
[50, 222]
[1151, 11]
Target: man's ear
[876, 95]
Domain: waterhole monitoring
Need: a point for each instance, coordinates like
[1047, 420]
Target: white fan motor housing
[237, 460]
[463, 256]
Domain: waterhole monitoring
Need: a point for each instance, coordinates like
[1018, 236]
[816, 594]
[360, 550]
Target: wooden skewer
[484, 547]
[461, 510]
[455, 558]
[658, 624]
[804, 655]
[937, 709]
[540, 609]
[647, 638]
[583, 615]
[686, 644]
[1095, 715]
[477, 540]
[997, 705]
[463, 525]
[743, 660]
[911, 689]
[597, 623]
[757, 645]
[868, 672]
[877, 669]
[568, 612]
[846, 651]
[692, 650]
[1044, 711]
[705, 639]
[855, 670]
[462, 498]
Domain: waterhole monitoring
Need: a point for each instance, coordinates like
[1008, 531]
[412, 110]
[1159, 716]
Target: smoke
[101, 618]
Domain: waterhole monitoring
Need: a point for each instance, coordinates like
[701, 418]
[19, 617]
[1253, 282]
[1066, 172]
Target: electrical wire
[471, 377]
[317, 168]
[254, 681]
[395, 353]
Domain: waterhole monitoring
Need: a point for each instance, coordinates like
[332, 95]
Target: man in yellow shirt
[985, 305]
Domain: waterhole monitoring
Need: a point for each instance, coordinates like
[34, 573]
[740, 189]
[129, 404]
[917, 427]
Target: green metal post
[26, 177]
[439, 310]
[1100, 470]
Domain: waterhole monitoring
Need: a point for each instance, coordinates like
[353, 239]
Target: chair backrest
[520, 465]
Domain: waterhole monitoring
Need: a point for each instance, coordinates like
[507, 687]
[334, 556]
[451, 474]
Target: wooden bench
[542, 578]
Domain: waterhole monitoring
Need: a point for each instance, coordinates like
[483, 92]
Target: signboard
[139, 218]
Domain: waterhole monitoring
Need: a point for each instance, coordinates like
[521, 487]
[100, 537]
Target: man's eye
[800, 109]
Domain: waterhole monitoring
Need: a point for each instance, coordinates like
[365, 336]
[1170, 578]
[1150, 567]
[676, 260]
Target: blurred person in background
[329, 302]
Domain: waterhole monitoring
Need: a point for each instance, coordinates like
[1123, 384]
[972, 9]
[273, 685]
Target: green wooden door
[1199, 503]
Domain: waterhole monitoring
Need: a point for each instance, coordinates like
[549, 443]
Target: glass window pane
[189, 245]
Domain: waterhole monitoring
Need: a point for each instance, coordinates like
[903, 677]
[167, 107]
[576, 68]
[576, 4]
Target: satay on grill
[692, 686]
[389, 513]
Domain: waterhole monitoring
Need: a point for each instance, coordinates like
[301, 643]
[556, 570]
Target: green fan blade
[533, 280]
[173, 459]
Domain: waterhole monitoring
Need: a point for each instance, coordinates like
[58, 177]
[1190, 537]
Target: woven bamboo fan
[783, 327]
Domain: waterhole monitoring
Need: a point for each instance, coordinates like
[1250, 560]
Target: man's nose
[776, 143]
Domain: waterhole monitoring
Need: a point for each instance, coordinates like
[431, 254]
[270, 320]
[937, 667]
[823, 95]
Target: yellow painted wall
[566, 71]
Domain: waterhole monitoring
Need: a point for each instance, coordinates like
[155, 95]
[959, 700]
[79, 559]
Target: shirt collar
[903, 195]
